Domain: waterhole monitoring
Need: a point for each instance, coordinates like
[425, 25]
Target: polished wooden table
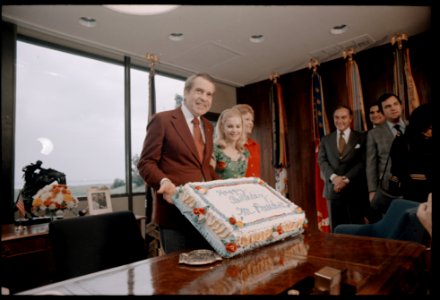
[371, 266]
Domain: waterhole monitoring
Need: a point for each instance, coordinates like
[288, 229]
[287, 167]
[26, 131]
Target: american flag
[20, 206]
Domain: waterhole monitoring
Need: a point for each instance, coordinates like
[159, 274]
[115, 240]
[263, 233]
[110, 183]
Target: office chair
[88, 244]
[400, 222]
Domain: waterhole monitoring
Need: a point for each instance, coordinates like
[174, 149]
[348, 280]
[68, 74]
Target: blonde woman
[230, 156]
[247, 113]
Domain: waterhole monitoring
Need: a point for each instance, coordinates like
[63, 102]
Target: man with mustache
[177, 149]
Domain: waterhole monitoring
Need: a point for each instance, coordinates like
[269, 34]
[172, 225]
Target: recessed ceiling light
[339, 29]
[142, 9]
[256, 38]
[87, 22]
[176, 36]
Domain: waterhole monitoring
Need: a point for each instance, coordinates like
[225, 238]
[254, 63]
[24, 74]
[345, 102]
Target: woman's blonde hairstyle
[245, 108]
[220, 138]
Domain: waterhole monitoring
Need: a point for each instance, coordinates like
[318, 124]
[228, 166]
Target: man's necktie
[399, 131]
[342, 143]
[198, 138]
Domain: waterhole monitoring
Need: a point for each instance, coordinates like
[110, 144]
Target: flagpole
[152, 60]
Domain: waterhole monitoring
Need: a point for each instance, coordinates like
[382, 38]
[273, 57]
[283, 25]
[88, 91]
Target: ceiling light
[176, 36]
[87, 22]
[142, 9]
[257, 38]
[339, 29]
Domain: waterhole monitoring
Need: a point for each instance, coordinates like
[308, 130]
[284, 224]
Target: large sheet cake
[238, 215]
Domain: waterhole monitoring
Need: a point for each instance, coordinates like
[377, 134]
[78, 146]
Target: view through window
[70, 116]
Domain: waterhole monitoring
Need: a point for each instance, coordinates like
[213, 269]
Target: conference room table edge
[372, 266]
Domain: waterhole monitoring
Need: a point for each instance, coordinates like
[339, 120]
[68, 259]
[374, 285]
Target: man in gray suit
[379, 141]
[341, 159]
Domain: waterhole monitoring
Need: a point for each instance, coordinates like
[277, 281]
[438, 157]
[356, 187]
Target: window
[70, 115]
[169, 94]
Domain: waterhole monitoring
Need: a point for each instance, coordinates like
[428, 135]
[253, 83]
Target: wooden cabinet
[26, 260]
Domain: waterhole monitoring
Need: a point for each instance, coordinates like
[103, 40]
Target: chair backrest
[89, 244]
[400, 223]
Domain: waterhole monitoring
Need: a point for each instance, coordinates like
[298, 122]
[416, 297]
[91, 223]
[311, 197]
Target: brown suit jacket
[169, 151]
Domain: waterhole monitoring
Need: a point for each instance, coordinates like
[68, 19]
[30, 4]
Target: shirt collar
[346, 132]
[401, 123]
[187, 114]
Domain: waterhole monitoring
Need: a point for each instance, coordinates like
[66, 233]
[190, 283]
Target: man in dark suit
[379, 140]
[341, 159]
[170, 158]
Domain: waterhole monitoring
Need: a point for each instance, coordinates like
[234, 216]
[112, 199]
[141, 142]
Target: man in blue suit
[341, 158]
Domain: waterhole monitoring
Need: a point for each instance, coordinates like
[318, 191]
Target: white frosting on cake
[236, 215]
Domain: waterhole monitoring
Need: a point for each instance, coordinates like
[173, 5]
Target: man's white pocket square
[357, 146]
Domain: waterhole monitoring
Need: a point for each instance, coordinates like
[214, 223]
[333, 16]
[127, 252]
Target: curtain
[279, 140]
[321, 128]
[404, 85]
[354, 88]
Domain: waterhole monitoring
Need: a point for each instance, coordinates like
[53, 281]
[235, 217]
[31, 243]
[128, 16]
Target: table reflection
[242, 273]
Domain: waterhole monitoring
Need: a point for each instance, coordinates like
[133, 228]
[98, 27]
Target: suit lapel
[352, 141]
[207, 128]
[334, 143]
[181, 127]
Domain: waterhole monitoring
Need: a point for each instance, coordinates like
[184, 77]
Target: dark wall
[376, 72]
[9, 32]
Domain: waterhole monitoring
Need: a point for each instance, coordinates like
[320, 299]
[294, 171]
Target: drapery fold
[279, 136]
[321, 128]
[404, 85]
[354, 89]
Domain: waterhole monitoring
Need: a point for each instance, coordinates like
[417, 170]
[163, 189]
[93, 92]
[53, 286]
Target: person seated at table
[424, 214]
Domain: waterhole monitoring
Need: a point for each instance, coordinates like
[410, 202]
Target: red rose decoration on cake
[234, 222]
[280, 229]
[199, 211]
[231, 247]
[199, 214]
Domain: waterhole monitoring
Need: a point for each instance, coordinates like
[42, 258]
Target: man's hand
[168, 189]
[371, 196]
[339, 183]
[424, 213]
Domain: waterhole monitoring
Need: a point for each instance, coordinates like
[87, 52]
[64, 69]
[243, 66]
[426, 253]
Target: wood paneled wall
[376, 71]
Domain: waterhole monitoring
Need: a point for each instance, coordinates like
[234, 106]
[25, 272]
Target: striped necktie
[399, 131]
[200, 145]
[342, 143]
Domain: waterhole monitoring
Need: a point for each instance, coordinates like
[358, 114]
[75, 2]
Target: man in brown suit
[170, 158]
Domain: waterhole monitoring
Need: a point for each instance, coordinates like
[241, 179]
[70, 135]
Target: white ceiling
[216, 38]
